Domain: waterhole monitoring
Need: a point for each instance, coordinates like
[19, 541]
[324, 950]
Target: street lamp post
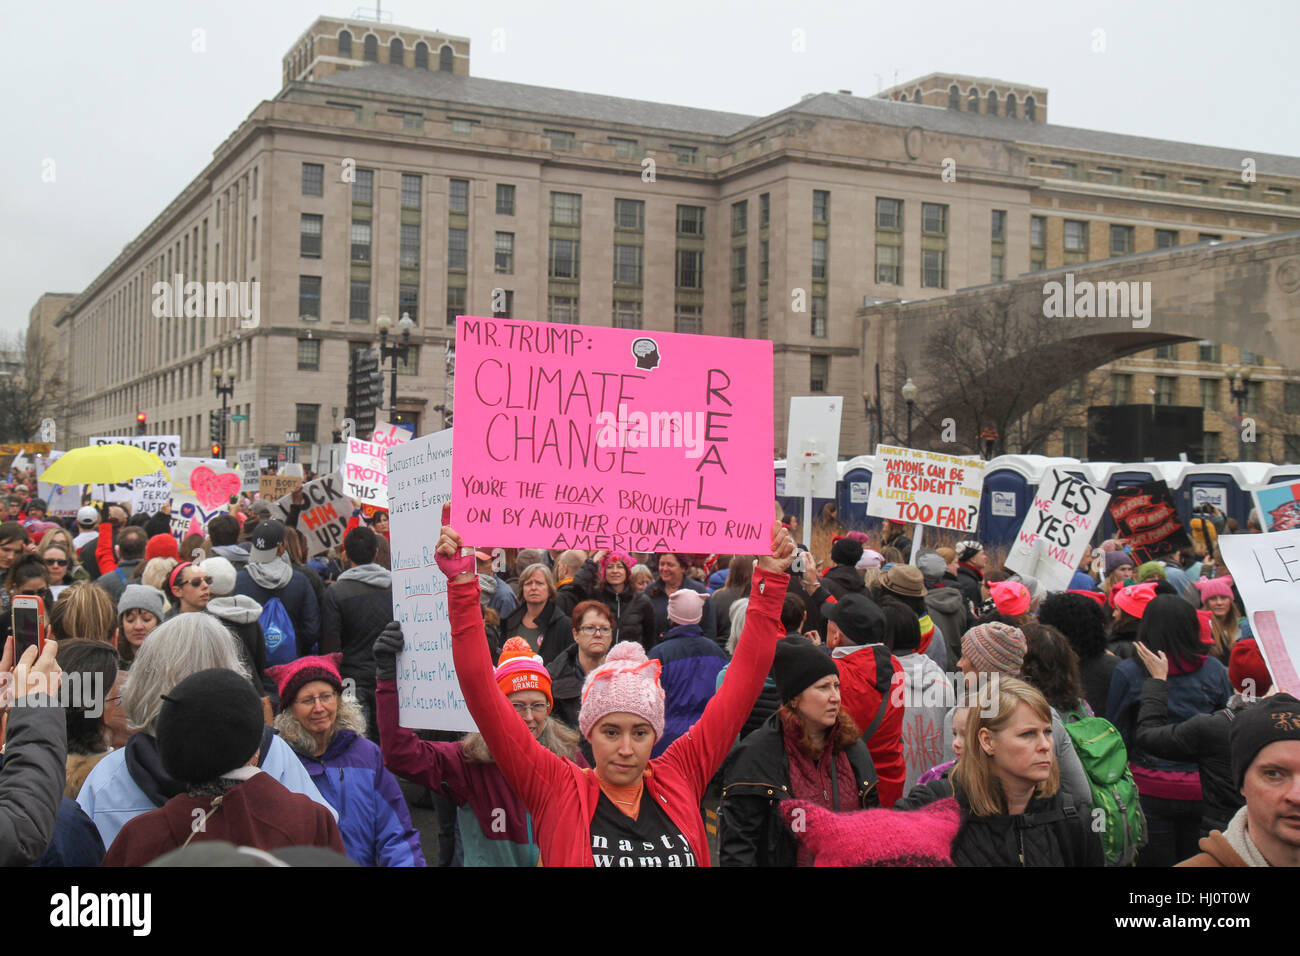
[1239, 387]
[225, 391]
[909, 395]
[386, 351]
[871, 422]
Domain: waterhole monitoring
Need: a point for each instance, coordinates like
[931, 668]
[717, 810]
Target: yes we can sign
[574, 436]
[1057, 529]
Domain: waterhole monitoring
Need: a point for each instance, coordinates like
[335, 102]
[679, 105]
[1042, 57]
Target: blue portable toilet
[1009, 485]
[1226, 485]
[854, 490]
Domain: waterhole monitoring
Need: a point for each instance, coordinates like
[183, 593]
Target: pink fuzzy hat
[1010, 597]
[618, 556]
[1214, 587]
[627, 683]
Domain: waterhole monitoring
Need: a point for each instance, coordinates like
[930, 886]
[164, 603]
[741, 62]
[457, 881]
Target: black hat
[799, 664]
[846, 551]
[859, 617]
[1265, 722]
[210, 723]
[267, 537]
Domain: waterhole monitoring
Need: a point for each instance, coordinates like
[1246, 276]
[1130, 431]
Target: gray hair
[185, 645]
[737, 614]
[640, 571]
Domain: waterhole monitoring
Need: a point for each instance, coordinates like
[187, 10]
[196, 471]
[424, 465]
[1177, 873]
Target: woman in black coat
[538, 620]
[672, 575]
[607, 577]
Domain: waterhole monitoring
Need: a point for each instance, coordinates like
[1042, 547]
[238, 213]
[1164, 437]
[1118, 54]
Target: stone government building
[385, 179]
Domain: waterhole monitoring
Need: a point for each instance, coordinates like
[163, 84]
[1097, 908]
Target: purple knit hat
[994, 648]
[627, 683]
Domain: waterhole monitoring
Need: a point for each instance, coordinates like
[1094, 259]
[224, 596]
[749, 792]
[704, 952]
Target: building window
[455, 300]
[359, 300]
[309, 236]
[1076, 236]
[409, 251]
[1251, 358]
[821, 205]
[738, 273]
[629, 215]
[993, 103]
[1111, 174]
[1121, 388]
[737, 320]
[410, 191]
[954, 103]
[764, 210]
[371, 46]
[1166, 390]
[422, 56]
[1211, 446]
[1291, 397]
[305, 425]
[934, 269]
[690, 269]
[345, 44]
[360, 241]
[313, 179]
[1209, 237]
[457, 248]
[1011, 105]
[690, 221]
[561, 139]
[627, 315]
[309, 355]
[688, 318]
[396, 52]
[1151, 180]
[819, 372]
[363, 187]
[562, 308]
[999, 230]
[627, 265]
[739, 217]
[505, 199]
[819, 258]
[1165, 352]
[1292, 449]
[1074, 390]
[408, 301]
[623, 148]
[997, 268]
[1037, 231]
[504, 262]
[1207, 351]
[1121, 240]
[503, 303]
[1166, 238]
[409, 364]
[889, 266]
[458, 195]
[1068, 170]
[1072, 443]
[762, 260]
[1210, 394]
[309, 296]
[889, 214]
[566, 209]
[446, 62]
[818, 326]
[1031, 112]
[686, 155]
[1254, 403]
[563, 259]
[972, 100]
[934, 219]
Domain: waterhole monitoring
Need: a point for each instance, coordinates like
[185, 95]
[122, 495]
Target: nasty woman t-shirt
[650, 840]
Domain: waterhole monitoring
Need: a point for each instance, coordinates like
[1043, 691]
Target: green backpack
[1105, 760]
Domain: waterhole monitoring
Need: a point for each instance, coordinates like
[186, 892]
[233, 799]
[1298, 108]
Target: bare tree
[33, 386]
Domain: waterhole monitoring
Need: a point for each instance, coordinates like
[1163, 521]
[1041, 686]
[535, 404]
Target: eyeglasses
[57, 562]
[326, 699]
[197, 581]
[592, 629]
[541, 708]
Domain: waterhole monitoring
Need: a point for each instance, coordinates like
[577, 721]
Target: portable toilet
[854, 491]
[1276, 474]
[1009, 485]
[1226, 485]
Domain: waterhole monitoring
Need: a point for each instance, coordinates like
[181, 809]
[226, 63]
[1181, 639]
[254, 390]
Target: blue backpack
[281, 641]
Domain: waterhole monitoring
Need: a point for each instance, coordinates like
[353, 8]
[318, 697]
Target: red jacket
[561, 796]
[866, 674]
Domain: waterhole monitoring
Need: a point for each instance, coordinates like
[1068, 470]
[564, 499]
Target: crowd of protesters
[872, 708]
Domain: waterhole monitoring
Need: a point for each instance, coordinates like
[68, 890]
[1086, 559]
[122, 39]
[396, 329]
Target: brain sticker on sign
[583, 437]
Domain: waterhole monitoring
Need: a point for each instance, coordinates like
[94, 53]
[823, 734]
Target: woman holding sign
[594, 817]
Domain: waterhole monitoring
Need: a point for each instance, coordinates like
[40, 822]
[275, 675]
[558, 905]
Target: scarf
[271, 575]
[1238, 838]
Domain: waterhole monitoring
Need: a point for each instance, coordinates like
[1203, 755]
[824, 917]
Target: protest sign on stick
[250, 476]
[199, 492]
[1278, 506]
[277, 486]
[62, 501]
[594, 438]
[324, 516]
[365, 473]
[1145, 515]
[1057, 529]
[148, 493]
[1266, 569]
[428, 694]
[387, 435]
[926, 487]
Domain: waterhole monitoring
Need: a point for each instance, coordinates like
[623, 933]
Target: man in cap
[855, 630]
[270, 575]
[357, 606]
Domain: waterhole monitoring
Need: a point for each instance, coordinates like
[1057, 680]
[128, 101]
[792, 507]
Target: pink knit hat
[519, 668]
[616, 556]
[292, 677]
[627, 683]
[1214, 587]
[685, 606]
[1010, 597]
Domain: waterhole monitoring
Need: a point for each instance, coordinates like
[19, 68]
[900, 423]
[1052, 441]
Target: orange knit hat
[520, 669]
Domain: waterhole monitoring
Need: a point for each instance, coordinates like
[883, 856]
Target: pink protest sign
[574, 436]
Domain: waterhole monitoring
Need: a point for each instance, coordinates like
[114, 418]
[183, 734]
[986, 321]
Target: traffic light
[216, 450]
[214, 427]
[365, 389]
[141, 423]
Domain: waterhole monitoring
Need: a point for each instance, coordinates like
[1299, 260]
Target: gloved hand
[448, 556]
[388, 645]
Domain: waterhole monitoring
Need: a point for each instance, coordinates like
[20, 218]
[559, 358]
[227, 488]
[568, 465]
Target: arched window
[954, 97]
[396, 52]
[1031, 109]
[973, 100]
[993, 103]
[916, 95]
[446, 59]
[903, 98]
[422, 56]
[1011, 105]
[345, 43]
[372, 48]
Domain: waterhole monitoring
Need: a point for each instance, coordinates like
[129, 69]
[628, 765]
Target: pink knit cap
[627, 683]
[613, 557]
[1214, 587]
[1010, 597]
[685, 606]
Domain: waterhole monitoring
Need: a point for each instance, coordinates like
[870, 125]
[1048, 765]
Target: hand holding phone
[28, 624]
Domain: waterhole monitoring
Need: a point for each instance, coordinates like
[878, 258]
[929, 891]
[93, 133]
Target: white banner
[200, 490]
[365, 473]
[1266, 569]
[63, 501]
[813, 429]
[148, 493]
[1057, 529]
[926, 487]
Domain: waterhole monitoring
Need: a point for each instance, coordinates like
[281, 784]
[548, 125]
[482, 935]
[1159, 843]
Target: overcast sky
[115, 95]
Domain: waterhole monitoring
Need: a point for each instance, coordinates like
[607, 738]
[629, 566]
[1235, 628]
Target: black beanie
[799, 664]
[210, 724]
[158, 524]
[1265, 722]
[847, 551]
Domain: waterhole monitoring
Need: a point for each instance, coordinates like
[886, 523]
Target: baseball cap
[87, 516]
[267, 538]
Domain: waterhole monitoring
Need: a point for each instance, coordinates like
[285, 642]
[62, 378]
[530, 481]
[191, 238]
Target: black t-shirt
[650, 840]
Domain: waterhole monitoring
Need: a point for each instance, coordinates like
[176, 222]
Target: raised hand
[783, 551]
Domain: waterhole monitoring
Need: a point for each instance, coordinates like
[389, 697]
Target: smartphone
[28, 624]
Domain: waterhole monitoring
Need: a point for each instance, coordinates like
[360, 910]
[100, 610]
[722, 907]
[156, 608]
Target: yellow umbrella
[102, 464]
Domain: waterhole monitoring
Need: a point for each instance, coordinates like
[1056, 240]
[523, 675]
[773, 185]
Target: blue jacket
[655, 592]
[691, 663]
[299, 601]
[1201, 692]
[111, 797]
[373, 818]
[76, 841]
[1082, 581]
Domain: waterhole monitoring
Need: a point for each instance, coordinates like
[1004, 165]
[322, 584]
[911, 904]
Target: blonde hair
[84, 610]
[546, 576]
[975, 773]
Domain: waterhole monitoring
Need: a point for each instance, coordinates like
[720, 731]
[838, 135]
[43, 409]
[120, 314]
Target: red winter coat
[562, 797]
[866, 675]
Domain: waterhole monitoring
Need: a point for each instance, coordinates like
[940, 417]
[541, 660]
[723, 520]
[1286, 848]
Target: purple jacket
[691, 663]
